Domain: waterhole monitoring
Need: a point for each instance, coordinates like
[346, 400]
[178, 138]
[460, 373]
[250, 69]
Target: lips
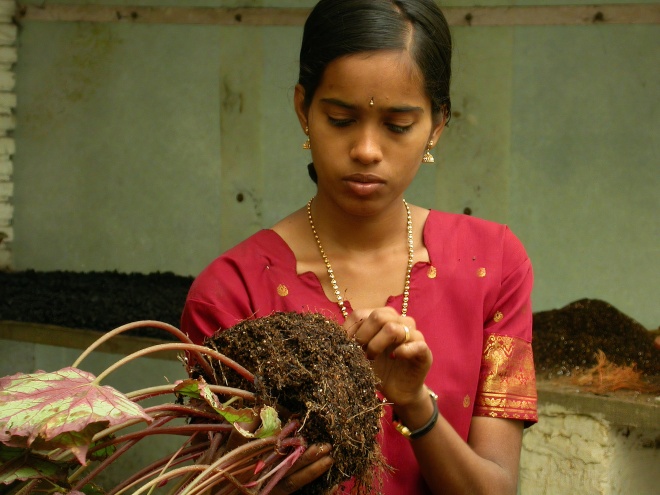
[365, 179]
[364, 184]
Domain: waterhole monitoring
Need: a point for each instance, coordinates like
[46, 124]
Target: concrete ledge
[590, 444]
[53, 335]
[622, 408]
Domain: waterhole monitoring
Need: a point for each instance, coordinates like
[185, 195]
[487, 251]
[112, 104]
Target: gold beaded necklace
[333, 281]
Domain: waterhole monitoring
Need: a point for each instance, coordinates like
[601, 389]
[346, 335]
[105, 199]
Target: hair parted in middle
[337, 28]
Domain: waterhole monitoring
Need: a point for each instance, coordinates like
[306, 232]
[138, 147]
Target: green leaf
[103, 453]
[89, 489]
[270, 424]
[21, 465]
[60, 410]
[199, 389]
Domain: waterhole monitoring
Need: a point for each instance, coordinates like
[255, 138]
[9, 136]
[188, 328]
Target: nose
[366, 147]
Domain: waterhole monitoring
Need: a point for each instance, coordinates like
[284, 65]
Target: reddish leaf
[63, 409]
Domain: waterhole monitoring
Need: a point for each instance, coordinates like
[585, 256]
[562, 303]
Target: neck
[359, 229]
[333, 282]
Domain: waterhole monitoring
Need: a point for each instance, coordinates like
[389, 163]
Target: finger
[392, 335]
[372, 324]
[310, 456]
[313, 463]
[417, 353]
[355, 321]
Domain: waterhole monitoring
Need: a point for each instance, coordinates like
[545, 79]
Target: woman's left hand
[401, 359]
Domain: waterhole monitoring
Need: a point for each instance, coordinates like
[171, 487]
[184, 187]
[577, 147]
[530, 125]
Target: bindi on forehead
[385, 107]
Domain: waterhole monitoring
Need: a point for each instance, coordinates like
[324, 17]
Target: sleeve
[218, 299]
[507, 382]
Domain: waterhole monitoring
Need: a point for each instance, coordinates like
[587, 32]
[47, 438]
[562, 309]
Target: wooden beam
[165, 15]
[558, 15]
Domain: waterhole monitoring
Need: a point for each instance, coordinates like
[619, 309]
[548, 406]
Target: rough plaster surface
[8, 57]
[169, 143]
[573, 453]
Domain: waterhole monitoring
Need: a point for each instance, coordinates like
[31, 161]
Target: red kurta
[471, 301]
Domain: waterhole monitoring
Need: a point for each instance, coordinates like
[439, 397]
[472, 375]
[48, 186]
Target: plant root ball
[307, 365]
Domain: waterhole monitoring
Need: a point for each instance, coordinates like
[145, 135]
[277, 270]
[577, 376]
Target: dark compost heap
[565, 339]
[93, 300]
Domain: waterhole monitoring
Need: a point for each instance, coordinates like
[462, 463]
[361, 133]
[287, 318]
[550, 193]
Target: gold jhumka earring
[307, 145]
[428, 157]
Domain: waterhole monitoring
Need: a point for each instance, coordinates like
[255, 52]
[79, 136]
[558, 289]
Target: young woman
[439, 302]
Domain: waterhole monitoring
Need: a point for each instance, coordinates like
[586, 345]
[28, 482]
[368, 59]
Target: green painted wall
[153, 148]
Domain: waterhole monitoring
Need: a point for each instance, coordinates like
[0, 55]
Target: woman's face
[365, 154]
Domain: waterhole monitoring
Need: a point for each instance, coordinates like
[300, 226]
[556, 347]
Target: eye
[399, 129]
[340, 122]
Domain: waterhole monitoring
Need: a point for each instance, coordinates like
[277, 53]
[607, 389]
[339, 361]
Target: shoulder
[245, 261]
[466, 227]
[264, 243]
[440, 221]
[465, 235]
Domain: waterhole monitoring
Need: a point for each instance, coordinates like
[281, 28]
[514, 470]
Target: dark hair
[336, 28]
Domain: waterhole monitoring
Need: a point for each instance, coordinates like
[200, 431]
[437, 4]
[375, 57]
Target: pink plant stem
[282, 469]
[165, 477]
[249, 450]
[115, 455]
[270, 459]
[230, 488]
[150, 392]
[180, 411]
[231, 474]
[171, 430]
[141, 324]
[182, 347]
[185, 455]
[288, 429]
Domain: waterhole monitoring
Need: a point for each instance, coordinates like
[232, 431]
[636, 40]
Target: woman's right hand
[314, 462]
[399, 354]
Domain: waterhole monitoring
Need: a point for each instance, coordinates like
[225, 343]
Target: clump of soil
[567, 340]
[308, 366]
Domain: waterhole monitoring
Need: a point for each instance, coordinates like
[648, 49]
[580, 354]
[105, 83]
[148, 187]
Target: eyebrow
[394, 109]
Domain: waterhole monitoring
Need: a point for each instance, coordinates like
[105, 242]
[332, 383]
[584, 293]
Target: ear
[299, 105]
[436, 131]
